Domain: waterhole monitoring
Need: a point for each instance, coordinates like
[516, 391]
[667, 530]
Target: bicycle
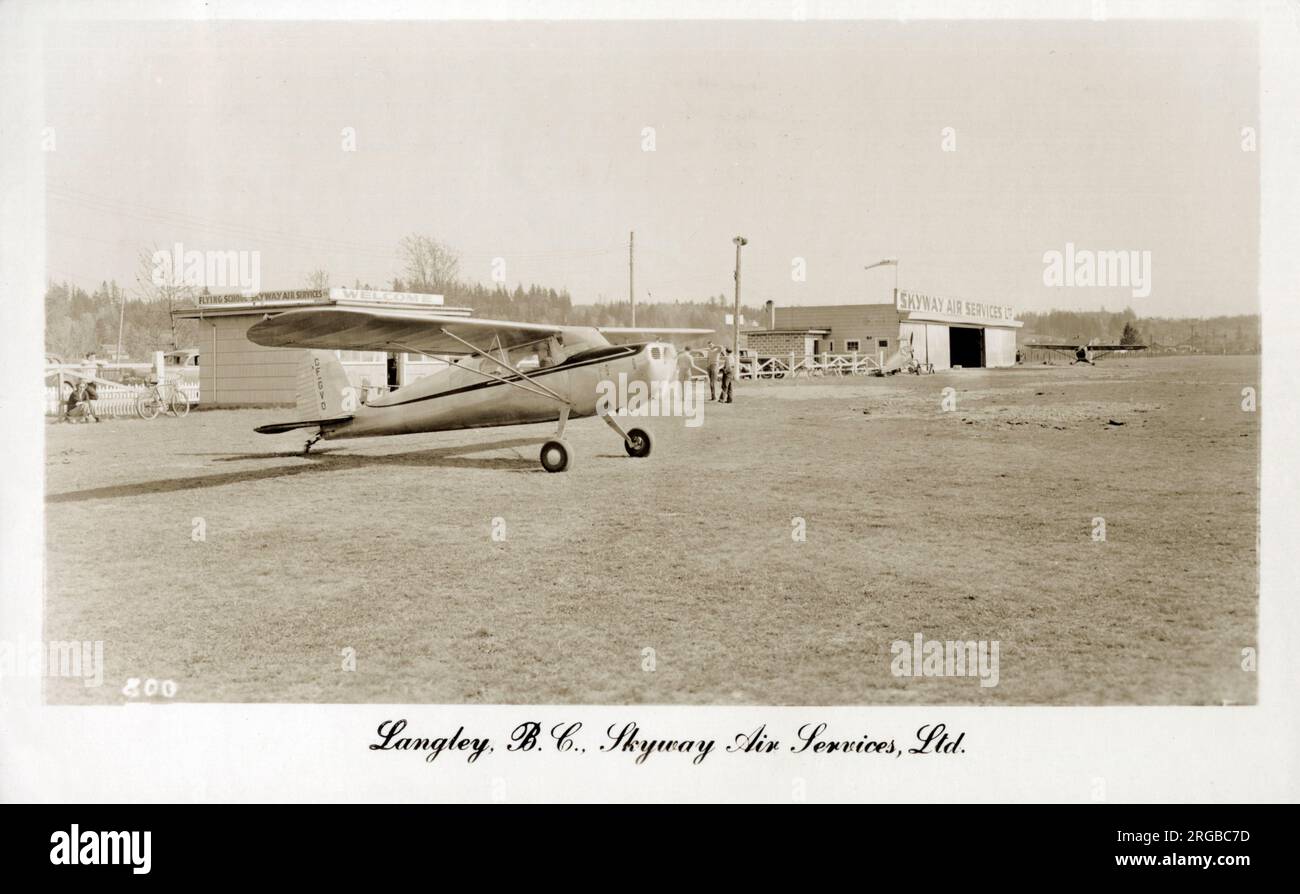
[159, 397]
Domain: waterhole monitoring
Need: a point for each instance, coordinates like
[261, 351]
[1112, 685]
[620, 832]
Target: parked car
[182, 364]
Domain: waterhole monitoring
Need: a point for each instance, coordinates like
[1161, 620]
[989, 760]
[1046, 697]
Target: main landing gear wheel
[556, 456]
[637, 443]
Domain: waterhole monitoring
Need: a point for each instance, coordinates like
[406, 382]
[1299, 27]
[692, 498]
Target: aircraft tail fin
[324, 394]
[324, 391]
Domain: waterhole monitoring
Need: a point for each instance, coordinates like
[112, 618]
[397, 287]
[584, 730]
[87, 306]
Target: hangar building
[235, 372]
[946, 332]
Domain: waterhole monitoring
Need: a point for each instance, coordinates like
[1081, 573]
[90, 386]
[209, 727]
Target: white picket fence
[115, 400]
[795, 365]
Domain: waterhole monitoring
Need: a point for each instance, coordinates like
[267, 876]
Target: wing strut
[482, 372]
[536, 384]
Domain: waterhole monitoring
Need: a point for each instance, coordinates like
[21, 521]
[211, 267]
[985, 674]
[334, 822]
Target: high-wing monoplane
[1086, 353]
[499, 373]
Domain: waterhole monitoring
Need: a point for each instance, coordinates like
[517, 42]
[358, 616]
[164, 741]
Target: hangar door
[999, 346]
[965, 346]
[929, 342]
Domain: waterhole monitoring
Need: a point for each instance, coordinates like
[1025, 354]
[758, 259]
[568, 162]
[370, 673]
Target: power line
[168, 217]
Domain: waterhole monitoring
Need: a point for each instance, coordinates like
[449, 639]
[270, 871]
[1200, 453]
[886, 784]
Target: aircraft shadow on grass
[321, 461]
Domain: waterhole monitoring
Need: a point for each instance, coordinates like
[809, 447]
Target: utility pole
[631, 291]
[735, 318]
[121, 321]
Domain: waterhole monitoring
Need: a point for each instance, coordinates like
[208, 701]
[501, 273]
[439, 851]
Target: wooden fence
[794, 365]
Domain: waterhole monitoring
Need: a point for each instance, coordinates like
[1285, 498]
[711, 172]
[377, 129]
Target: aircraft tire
[556, 456]
[639, 445]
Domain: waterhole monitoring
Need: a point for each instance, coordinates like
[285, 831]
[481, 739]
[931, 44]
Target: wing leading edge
[381, 329]
[621, 335]
[1060, 347]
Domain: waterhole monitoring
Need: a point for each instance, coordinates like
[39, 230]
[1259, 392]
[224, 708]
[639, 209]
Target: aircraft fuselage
[479, 393]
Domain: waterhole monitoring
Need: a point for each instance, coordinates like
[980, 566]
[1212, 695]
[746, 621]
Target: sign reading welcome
[917, 302]
[381, 296]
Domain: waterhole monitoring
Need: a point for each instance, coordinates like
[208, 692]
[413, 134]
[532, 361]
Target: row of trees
[78, 322]
[432, 266]
[138, 319]
[1233, 334]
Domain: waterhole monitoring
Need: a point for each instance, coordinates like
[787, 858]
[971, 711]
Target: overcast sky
[525, 142]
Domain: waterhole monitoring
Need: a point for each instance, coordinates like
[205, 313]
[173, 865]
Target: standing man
[714, 364]
[728, 376]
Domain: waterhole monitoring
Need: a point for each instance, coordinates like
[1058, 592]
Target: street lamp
[735, 318]
[887, 262]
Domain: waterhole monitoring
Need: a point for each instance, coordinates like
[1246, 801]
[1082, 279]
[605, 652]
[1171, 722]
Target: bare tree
[431, 266]
[164, 290]
[318, 279]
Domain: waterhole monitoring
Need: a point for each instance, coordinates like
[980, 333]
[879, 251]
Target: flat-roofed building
[234, 371]
[943, 331]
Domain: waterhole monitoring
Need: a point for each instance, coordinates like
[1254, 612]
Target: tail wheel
[180, 404]
[637, 443]
[556, 456]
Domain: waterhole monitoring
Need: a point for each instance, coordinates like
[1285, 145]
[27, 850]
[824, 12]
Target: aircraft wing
[621, 335]
[384, 329]
[1073, 348]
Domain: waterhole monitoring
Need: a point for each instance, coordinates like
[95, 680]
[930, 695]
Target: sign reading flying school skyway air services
[316, 296]
[290, 296]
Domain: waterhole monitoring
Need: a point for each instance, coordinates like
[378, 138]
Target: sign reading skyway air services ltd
[916, 302]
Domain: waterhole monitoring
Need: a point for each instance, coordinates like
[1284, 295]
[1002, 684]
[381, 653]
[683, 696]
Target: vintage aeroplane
[506, 373]
[1086, 353]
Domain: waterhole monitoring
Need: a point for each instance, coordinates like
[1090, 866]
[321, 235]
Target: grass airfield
[969, 524]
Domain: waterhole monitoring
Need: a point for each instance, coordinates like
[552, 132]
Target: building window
[884, 343]
[852, 345]
[361, 356]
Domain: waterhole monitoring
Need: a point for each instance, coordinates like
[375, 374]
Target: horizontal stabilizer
[279, 428]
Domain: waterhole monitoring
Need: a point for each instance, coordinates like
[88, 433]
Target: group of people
[720, 364]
